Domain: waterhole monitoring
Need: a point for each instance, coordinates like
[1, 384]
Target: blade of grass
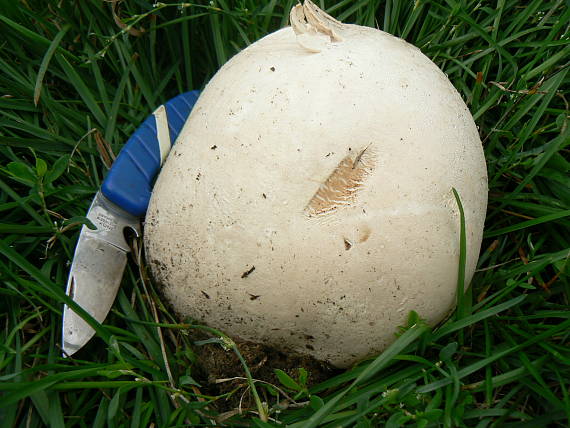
[460, 314]
[45, 62]
[527, 224]
[82, 89]
[411, 335]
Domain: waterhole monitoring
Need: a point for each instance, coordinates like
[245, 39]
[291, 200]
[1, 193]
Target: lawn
[78, 77]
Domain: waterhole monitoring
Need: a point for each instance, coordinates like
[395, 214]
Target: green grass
[74, 85]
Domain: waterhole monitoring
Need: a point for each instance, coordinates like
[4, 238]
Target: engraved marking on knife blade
[105, 222]
[162, 132]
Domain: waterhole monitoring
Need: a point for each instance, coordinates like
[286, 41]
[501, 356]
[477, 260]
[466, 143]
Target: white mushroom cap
[329, 170]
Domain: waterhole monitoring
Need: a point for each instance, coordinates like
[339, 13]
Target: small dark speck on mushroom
[347, 244]
[214, 147]
[264, 195]
[254, 296]
[272, 68]
[206, 295]
[248, 272]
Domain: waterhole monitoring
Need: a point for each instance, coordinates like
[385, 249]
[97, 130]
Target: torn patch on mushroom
[341, 188]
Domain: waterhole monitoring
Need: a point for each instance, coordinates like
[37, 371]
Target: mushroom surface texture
[307, 203]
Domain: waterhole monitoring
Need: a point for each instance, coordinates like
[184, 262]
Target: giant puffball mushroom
[308, 203]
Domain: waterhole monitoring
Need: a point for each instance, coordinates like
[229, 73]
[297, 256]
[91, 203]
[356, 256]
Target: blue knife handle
[129, 182]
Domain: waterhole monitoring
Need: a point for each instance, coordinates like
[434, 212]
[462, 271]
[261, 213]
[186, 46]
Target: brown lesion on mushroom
[365, 233]
[341, 188]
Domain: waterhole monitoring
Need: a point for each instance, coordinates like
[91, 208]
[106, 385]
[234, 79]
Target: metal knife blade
[101, 254]
[98, 264]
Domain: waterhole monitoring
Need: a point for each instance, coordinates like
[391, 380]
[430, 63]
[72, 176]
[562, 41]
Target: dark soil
[217, 366]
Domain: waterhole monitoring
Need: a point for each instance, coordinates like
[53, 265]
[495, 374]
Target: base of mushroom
[220, 371]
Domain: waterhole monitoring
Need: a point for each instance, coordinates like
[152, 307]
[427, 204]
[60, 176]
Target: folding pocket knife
[101, 254]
